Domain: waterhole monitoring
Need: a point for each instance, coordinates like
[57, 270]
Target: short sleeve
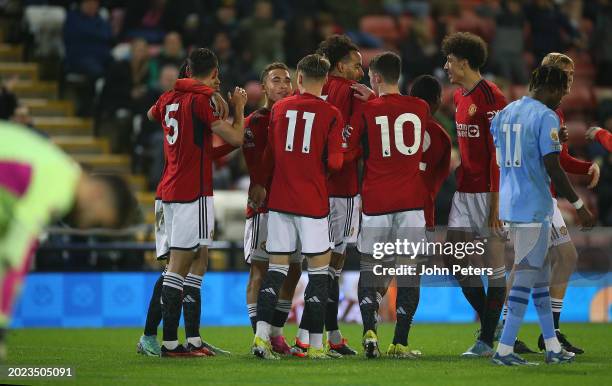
[205, 109]
[336, 142]
[494, 128]
[156, 111]
[549, 134]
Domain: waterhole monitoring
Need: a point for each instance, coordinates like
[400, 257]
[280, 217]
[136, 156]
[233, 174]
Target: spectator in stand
[145, 19]
[171, 54]
[232, 71]
[602, 43]
[125, 93]
[508, 44]
[301, 38]
[262, 36]
[418, 52]
[548, 24]
[88, 41]
[224, 20]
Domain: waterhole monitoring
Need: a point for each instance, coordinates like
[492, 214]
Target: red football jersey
[255, 141]
[392, 129]
[305, 133]
[339, 93]
[435, 165]
[186, 115]
[569, 163]
[475, 109]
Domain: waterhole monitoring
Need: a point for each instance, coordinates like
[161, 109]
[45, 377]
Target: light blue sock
[541, 301]
[518, 299]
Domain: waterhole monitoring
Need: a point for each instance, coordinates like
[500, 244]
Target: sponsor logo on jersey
[249, 138]
[346, 134]
[468, 131]
[492, 114]
[472, 110]
[554, 135]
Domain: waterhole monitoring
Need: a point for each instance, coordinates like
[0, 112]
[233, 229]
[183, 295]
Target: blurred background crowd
[107, 61]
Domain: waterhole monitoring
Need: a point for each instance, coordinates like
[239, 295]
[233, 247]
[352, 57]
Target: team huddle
[308, 198]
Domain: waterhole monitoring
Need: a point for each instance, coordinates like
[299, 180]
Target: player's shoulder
[339, 83]
[488, 92]
[258, 116]
[435, 128]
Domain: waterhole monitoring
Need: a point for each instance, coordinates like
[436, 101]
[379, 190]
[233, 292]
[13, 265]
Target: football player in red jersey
[276, 83]
[148, 344]
[342, 91]
[188, 118]
[391, 129]
[563, 252]
[304, 142]
[436, 145]
[475, 207]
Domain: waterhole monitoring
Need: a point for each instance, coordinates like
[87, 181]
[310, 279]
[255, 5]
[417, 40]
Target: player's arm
[600, 135]
[352, 138]
[576, 166]
[335, 156]
[233, 133]
[550, 148]
[153, 113]
[223, 150]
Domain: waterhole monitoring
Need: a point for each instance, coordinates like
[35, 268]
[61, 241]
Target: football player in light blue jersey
[526, 136]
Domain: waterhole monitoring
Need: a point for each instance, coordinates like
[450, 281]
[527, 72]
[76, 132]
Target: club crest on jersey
[262, 246]
[249, 138]
[563, 230]
[554, 135]
[472, 110]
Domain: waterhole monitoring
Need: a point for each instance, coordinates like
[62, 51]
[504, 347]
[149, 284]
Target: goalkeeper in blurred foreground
[38, 185]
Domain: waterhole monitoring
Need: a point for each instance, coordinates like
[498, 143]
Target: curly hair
[550, 77]
[336, 48]
[466, 45]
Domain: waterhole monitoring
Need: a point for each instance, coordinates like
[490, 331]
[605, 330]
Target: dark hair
[313, 66]
[202, 61]
[336, 48]
[551, 77]
[271, 67]
[427, 88]
[128, 211]
[183, 70]
[466, 45]
[388, 65]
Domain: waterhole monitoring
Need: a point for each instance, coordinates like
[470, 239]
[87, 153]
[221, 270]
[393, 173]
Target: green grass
[108, 356]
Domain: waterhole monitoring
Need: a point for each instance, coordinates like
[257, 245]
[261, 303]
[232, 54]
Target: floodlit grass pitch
[108, 357]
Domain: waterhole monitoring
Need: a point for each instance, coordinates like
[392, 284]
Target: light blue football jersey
[524, 132]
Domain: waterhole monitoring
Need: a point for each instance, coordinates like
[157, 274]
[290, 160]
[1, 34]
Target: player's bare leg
[564, 258]
[266, 303]
[172, 296]
[315, 296]
[283, 307]
[256, 274]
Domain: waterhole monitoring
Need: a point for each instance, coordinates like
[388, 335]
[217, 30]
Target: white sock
[504, 349]
[196, 341]
[263, 330]
[303, 336]
[276, 331]
[552, 344]
[170, 344]
[334, 336]
[316, 341]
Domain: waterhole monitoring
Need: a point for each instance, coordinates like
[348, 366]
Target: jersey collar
[474, 88]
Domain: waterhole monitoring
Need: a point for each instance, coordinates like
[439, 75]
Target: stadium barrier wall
[113, 299]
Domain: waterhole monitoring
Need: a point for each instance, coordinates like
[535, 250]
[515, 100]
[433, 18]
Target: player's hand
[587, 221]
[257, 195]
[362, 92]
[592, 132]
[594, 173]
[238, 98]
[221, 107]
[563, 134]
